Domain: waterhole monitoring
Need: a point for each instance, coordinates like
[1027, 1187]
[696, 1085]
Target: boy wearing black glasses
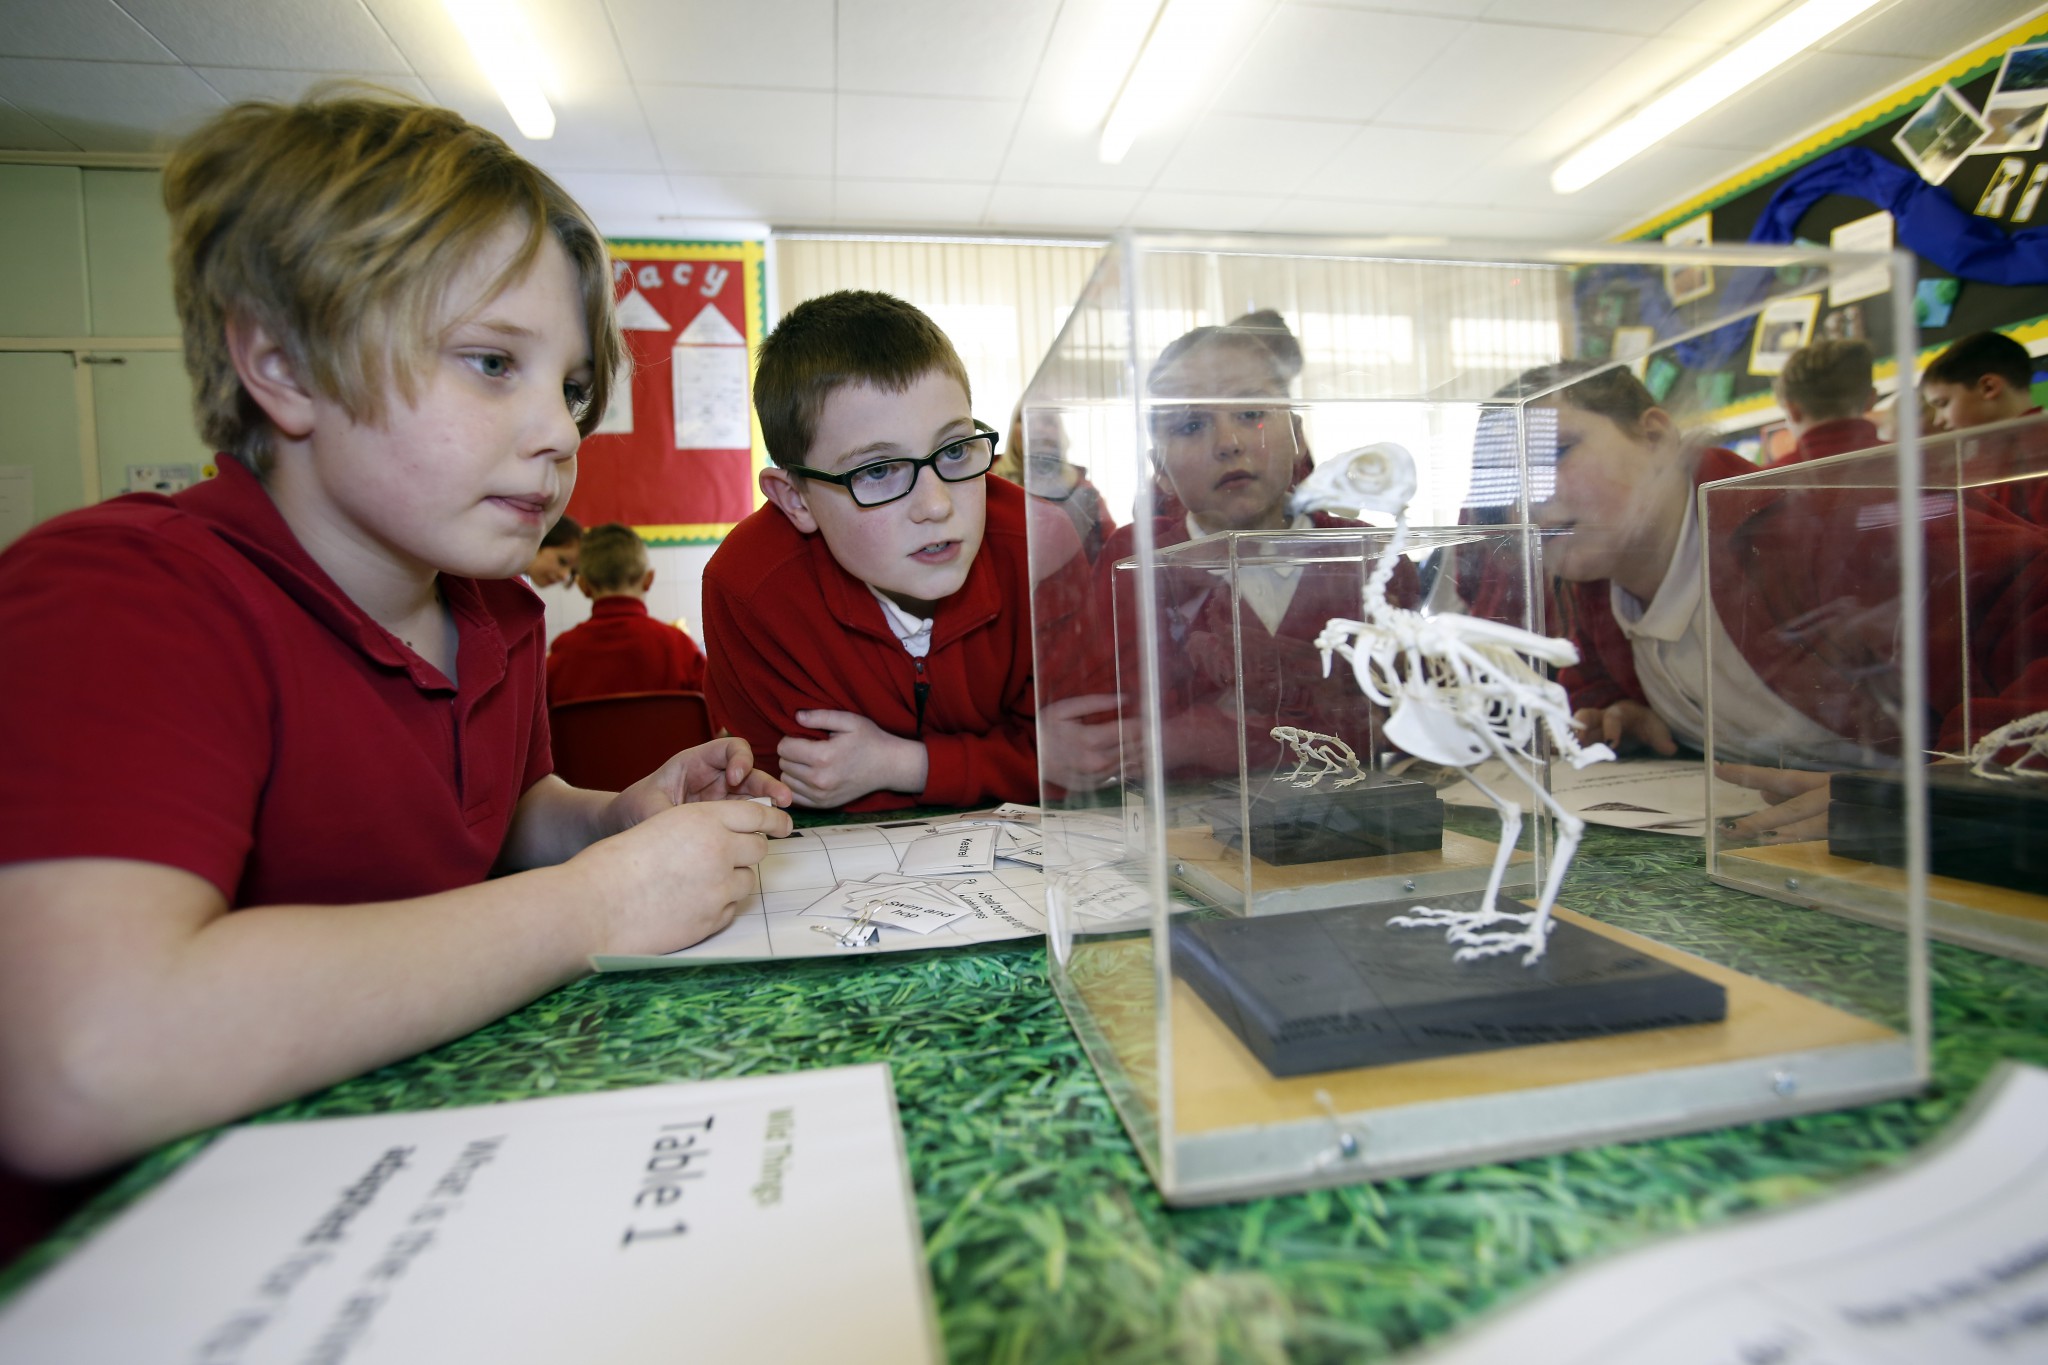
[869, 631]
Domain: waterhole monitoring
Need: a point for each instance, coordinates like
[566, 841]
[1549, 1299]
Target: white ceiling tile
[580, 55]
[1808, 91]
[1930, 31]
[703, 131]
[768, 199]
[897, 203]
[1092, 46]
[20, 133]
[1235, 152]
[1411, 162]
[293, 35]
[595, 129]
[1653, 66]
[1662, 175]
[257, 83]
[1505, 78]
[90, 30]
[1168, 209]
[1642, 17]
[109, 106]
[1063, 206]
[783, 44]
[1315, 62]
[1447, 9]
[1724, 21]
[613, 195]
[942, 47]
[1052, 147]
[887, 137]
[1306, 213]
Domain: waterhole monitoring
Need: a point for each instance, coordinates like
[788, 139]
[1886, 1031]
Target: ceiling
[720, 117]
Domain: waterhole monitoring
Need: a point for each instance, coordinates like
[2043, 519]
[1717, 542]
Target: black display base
[1291, 825]
[1979, 829]
[1329, 990]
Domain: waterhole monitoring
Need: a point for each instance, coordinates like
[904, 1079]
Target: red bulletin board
[676, 457]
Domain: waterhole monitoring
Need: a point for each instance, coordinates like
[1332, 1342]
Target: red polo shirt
[181, 684]
[788, 630]
[622, 649]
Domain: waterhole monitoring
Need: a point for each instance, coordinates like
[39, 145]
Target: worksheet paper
[1657, 795]
[810, 881]
[766, 1218]
[1944, 1259]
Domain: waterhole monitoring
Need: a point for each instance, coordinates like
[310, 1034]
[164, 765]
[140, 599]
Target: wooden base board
[1211, 868]
[1219, 1085]
[1991, 919]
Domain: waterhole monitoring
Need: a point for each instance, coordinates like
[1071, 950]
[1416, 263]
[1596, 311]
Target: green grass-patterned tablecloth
[1047, 1241]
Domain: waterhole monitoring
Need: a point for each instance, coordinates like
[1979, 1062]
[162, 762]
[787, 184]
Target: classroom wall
[91, 374]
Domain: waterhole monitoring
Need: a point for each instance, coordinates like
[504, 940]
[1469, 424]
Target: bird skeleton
[1313, 746]
[1459, 690]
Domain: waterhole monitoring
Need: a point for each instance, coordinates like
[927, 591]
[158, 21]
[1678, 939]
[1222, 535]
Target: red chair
[609, 743]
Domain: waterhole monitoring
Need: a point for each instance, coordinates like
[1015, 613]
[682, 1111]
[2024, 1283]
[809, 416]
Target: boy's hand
[676, 877]
[717, 771]
[1075, 753]
[856, 757]
[1799, 802]
[1626, 725]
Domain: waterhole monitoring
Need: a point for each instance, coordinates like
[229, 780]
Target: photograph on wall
[1684, 283]
[1873, 232]
[1937, 138]
[1633, 343]
[1783, 327]
[2014, 128]
[2022, 79]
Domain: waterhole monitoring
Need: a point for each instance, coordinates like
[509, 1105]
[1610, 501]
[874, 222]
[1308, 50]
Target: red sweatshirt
[622, 649]
[788, 630]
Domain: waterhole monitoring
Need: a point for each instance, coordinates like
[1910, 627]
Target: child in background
[620, 648]
[555, 561]
[1229, 448]
[1826, 390]
[1802, 612]
[1987, 378]
[283, 728]
[869, 630]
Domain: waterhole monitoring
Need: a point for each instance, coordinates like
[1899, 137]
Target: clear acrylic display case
[1219, 930]
[1976, 521]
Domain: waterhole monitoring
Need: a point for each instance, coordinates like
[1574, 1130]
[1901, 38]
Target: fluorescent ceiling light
[1178, 58]
[503, 46]
[1770, 49]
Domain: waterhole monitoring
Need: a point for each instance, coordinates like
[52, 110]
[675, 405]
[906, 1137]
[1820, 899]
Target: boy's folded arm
[135, 1007]
[965, 770]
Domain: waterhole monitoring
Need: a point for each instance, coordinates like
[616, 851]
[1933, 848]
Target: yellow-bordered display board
[1997, 190]
[678, 451]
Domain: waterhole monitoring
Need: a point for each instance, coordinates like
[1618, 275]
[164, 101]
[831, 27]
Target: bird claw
[1464, 927]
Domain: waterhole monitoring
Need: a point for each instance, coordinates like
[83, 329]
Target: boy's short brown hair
[1979, 354]
[614, 558]
[337, 224]
[1829, 380]
[854, 336]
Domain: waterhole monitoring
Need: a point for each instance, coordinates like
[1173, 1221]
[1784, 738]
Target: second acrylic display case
[1822, 714]
[1247, 755]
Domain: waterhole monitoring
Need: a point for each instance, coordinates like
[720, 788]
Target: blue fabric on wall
[1928, 222]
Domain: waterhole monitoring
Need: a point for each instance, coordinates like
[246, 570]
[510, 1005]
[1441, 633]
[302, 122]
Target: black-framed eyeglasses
[884, 481]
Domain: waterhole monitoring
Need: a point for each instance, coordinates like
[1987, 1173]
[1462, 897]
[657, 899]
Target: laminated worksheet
[763, 1218]
[899, 886]
[1943, 1259]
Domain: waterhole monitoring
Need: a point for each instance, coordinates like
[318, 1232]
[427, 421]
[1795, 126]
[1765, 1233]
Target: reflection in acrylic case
[1257, 1017]
[1977, 518]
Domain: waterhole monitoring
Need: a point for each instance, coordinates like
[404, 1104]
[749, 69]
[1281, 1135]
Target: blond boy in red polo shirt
[279, 728]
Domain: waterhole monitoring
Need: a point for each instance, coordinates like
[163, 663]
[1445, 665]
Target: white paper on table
[1871, 233]
[1107, 896]
[1942, 1259]
[801, 871]
[951, 850]
[1656, 795]
[649, 1225]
